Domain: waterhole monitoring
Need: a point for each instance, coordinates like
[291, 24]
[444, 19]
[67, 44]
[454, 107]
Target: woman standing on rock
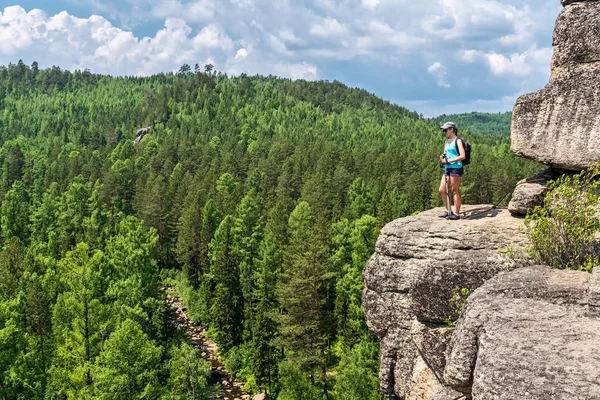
[454, 153]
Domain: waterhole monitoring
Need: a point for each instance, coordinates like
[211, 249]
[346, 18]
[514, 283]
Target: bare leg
[444, 193]
[455, 181]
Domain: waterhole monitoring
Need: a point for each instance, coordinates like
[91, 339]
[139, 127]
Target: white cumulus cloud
[438, 70]
[370, 3]
[303, 70]
[515, 64]
[405, 50]
[328, 27]
[241, 54]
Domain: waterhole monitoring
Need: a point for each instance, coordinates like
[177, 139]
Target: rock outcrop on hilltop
[532, 333]
[409, 280]
[560, 124]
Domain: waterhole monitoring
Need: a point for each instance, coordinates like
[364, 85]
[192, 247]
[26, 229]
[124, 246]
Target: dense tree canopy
[492, 124]
[266, 193]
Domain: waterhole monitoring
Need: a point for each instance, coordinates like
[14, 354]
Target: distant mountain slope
[485, 123]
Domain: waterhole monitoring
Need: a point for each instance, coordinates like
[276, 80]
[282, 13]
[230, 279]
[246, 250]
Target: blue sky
[432, 56]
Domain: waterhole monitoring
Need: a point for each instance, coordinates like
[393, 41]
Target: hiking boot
[453, 217]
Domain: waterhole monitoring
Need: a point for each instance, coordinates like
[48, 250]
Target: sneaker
[444, 215]
[453, 217]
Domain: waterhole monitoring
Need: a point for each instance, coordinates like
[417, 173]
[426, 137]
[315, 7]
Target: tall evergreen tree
[247, 233]
[189, 239]
[355, 246]
[211, 219]
[301, 295]
[79, 321]
[227, 310]
[14, 214]
[268, 266]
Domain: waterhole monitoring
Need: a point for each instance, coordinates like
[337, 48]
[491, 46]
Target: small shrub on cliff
[457, 302]
[563, 232]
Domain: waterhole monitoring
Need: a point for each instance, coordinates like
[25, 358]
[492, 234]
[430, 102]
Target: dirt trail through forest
[231, 389]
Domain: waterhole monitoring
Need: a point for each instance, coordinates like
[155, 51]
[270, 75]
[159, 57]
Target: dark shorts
[454, 171]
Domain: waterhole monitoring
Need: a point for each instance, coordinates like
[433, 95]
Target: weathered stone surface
[448, 394]
[530, 192]
[423, 384]
[576, 37]
[567, 2]
[431, 341]
[560, 124]
[532, 333]
[409, 280]
[527, 196]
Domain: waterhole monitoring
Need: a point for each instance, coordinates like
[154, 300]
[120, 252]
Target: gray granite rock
[409, 280]
[531, 333]
[576, 37]
[530, 192]
[560, 124]
[448, 394]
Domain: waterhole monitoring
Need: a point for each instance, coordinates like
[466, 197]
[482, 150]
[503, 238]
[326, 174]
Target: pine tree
[79, 319]
[227, 307]
[131, 263]
[247, 233]
[361, 200]
[266, 315]
[189, 240]
[301, 295]
[354, 247]
[127, 366]
[210, 222]
[14, 215]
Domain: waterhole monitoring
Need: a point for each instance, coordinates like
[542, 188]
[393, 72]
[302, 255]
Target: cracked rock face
[531, 333]
[418, 261]
[560, 124]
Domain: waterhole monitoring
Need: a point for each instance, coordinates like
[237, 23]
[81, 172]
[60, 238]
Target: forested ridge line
[262, 197]
[485, 123]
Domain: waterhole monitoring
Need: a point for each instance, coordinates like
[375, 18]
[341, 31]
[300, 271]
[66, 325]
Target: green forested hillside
[485, 123]
[267, 194]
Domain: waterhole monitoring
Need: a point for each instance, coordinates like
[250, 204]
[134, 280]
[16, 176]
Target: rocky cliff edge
[418, 261]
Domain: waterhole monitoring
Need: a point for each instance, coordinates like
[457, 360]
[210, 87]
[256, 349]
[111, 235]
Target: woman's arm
[461, 151]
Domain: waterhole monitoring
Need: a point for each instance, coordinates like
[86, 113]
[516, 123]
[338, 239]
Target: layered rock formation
[409, 280]
[560, 124]
[532, 333]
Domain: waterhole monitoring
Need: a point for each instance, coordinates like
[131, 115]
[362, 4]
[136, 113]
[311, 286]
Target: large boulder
[560, 124]
[532, 333]
[530, 192]
[409, 281]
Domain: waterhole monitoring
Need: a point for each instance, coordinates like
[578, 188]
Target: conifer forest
[259, 199]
